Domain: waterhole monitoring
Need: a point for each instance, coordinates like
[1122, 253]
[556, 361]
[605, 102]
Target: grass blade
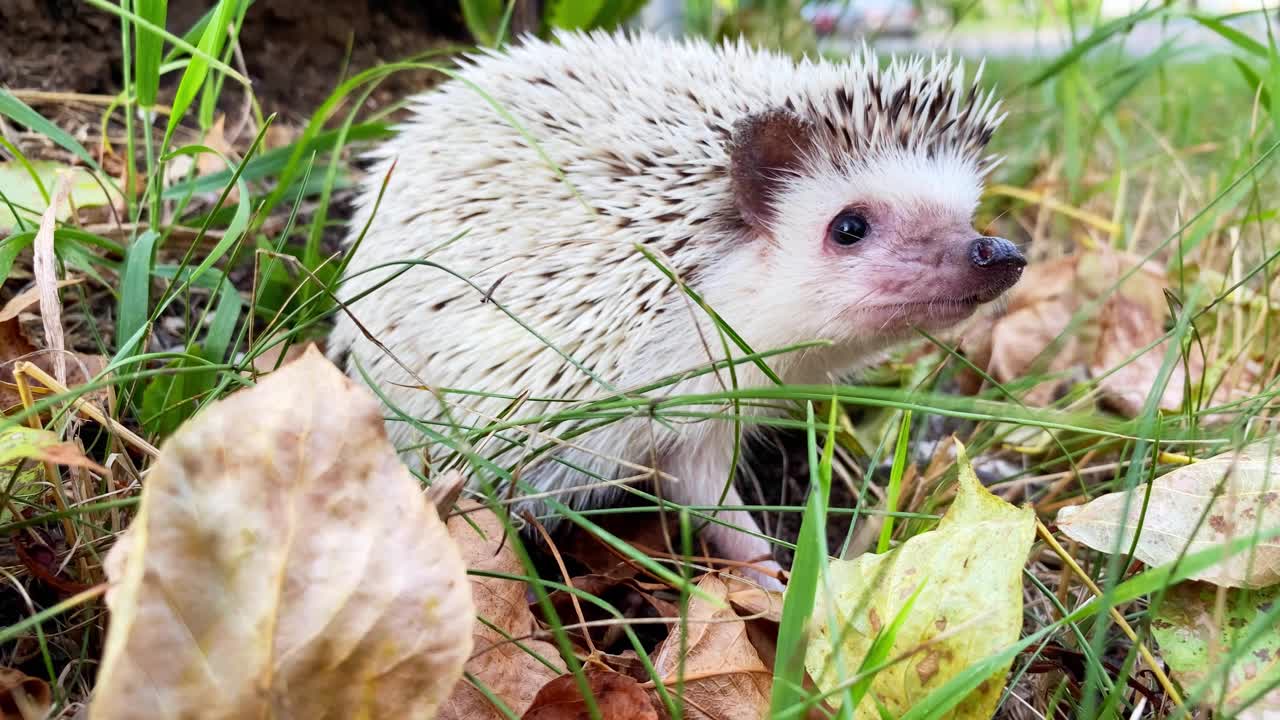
[806, 570]
[211, 41]
[19, 112]
[895, 481]
[134, 305]
[147, 48]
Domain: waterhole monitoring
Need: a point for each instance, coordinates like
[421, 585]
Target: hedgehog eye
[848, 228]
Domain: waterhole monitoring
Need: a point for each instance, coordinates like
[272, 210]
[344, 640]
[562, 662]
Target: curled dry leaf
[617, 696]
[1040, 308]
[969, 608]
[512, 672]
[284, 563]
[22, 301]
[755, 601]
[23, 697]
[1103, 345]
[724, 677]
[1196, 642]
[1236, 494]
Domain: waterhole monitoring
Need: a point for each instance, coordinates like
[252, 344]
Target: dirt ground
[295, 51]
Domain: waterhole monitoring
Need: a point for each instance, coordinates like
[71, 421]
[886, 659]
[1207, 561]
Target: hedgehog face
[868, 246]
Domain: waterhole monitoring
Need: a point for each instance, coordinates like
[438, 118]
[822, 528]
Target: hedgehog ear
[766, 148]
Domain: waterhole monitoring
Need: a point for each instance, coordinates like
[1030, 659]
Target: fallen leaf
[16, 184]
[1127, 317]
[215, 139]
[1236, 494]
[1128, 325]
[283, 562]
[445, 490]
[23, 697]
[205, 163]
[970, 606]
[1040, 308]
[25, 299]
[617, 696]
[751, 600]
[271, 358]
[1195, 643]
[512, 672]
[280, 134]
[724, 677]
[26, 443]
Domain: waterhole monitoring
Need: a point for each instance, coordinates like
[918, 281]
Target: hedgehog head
[860, 195]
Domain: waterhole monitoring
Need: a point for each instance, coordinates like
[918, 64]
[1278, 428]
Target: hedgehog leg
[699, 480]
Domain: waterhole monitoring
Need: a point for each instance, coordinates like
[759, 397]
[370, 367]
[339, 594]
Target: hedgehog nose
[993, 253]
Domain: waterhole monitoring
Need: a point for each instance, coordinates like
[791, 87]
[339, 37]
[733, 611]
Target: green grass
[1175, 156]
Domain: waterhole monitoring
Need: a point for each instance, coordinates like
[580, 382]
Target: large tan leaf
[1235, 493]
[513, 672]
[724, 677]
[969, 608]
[284, 564]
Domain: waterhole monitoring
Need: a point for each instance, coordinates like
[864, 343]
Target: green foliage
[489, 20]
[147, 47]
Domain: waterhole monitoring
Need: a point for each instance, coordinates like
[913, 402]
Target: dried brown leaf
[749, 600]
[511, 673]
[617, 696]
[1237, 494]
[1129, 317]
[284, 563]
[215, 139]
[23, 697]
[25, 299]
[724, 677]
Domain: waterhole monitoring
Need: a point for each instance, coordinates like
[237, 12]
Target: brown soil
[296, 51]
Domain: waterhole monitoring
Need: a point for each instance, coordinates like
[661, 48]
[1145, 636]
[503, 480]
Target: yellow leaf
[1201, 629]
[22, 192]
[1195, 507]
[284, 564]
[969, 608]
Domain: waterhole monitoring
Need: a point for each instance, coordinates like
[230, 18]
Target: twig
[85, 407]
[1156, 670]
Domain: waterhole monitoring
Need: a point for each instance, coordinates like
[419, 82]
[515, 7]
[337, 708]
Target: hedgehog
[617, 215]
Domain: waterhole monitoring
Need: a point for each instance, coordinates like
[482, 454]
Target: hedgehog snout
[999, 262]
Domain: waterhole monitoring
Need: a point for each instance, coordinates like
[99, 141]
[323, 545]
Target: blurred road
[1188, 36]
